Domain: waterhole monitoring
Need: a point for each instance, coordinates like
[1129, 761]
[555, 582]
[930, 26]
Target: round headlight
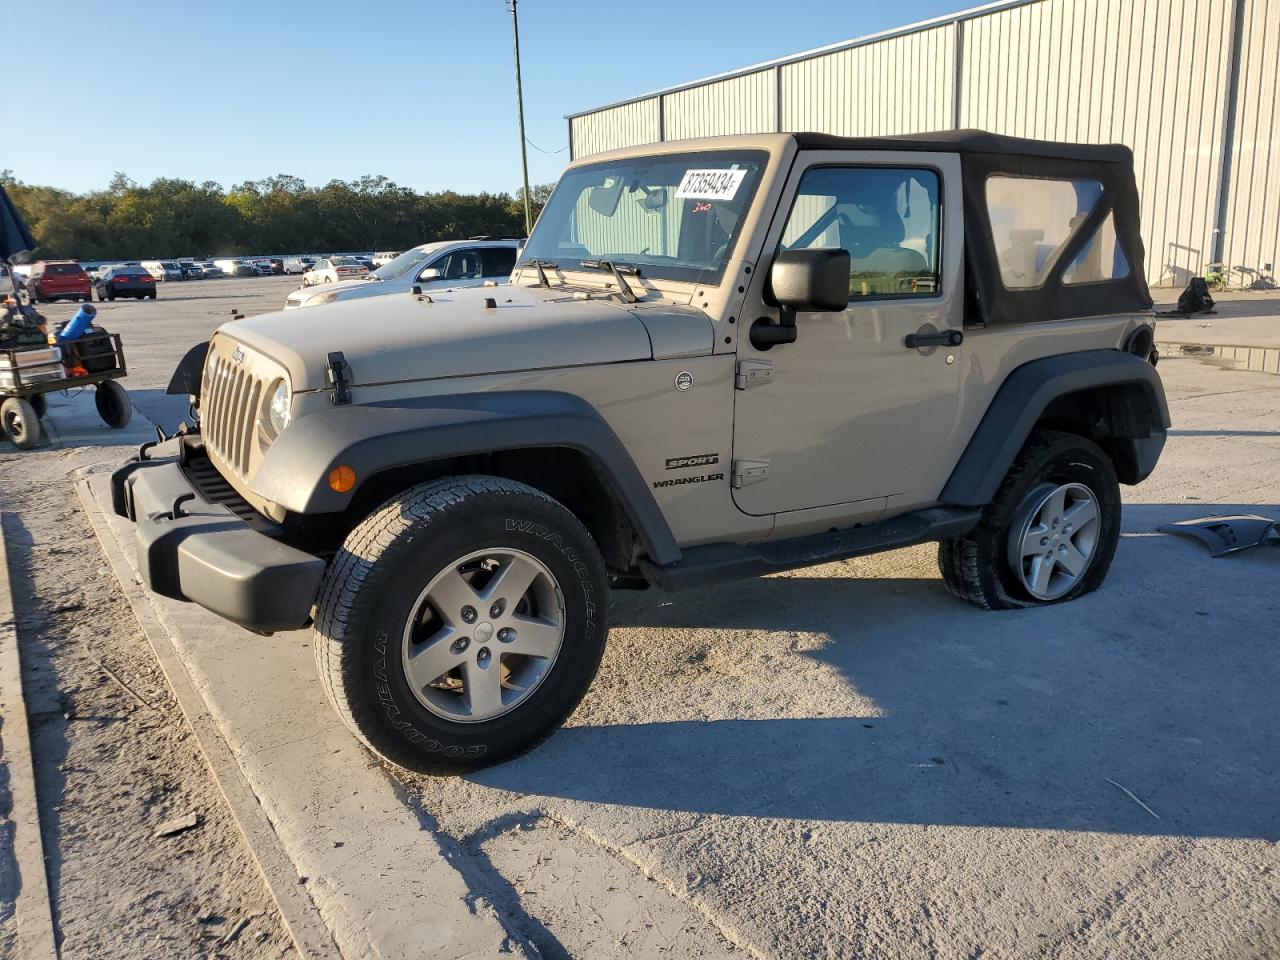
[278, 408]
[329, 297]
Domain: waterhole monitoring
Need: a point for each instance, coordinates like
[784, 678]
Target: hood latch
[339, 372]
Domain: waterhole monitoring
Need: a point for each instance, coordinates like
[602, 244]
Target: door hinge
[747, 472]
[752, 373]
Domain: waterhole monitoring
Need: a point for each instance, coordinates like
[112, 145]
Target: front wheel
[1049, 535]
[461, 622]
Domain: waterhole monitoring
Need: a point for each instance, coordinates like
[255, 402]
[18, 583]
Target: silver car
[451, 264]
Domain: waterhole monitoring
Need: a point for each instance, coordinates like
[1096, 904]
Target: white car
[333, 270]
[384, 257]
[449, 263]
[299, 264]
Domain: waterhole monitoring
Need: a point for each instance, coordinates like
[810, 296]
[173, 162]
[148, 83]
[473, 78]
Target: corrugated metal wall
[1149, 73]
[741, 105]
[1253, 205]
[1154, 74]
[900, 85]
[622, 126]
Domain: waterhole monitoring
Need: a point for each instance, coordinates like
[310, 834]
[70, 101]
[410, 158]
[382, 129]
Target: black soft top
[983, 155]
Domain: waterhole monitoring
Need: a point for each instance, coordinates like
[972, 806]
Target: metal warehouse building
[1193, 86]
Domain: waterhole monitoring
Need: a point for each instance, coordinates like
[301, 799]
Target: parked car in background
[58, 280]
[384, 257]
[264, 267]
[163, 269]
[334, 269]
[125, 281]
[211, 271]
[450, 263]
[298, 264]
[191, 270]
[277, 265]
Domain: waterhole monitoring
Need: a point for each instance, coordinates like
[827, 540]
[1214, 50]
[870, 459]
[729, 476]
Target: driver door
[848, 414]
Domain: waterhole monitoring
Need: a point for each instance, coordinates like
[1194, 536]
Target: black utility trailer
[94, 360]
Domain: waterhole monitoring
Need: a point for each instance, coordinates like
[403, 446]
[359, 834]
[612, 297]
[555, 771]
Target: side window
[1031, 221]
[463, 265]
[888, 218]
[1102, 258]
[498, 261]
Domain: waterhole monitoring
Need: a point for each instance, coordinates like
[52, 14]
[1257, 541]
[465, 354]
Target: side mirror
[809, 281]
[431, 273]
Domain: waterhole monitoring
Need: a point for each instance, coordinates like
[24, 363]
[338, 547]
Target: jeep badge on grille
[237, 355]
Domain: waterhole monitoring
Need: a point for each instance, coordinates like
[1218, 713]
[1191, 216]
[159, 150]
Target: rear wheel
[114, 406]
[1049, 535]
[151, 295]
[21, 425]
[461, 622]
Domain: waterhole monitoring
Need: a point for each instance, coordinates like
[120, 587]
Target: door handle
[947, 338]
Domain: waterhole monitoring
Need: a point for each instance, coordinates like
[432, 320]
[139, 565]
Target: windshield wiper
[617, 269]
[542, 266]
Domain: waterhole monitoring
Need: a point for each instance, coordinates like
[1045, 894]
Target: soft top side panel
[983, 155]
[996, 304]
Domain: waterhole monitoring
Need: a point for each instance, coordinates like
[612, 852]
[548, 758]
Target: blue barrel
[79, 324]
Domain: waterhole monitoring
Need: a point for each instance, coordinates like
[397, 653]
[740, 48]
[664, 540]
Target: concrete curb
[320, 816]
[297, 911]
[34, 912]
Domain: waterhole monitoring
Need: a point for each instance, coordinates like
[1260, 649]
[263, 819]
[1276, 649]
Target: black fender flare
[1023, 398]
[189, 372]
[371, 438]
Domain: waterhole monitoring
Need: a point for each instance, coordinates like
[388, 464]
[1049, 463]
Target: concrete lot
[837, 762]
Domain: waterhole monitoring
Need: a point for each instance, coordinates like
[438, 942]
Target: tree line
[280, 214]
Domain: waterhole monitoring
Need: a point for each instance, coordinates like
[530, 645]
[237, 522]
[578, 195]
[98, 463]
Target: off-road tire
[21, 425]
[976, 567]
[375, 580]
[114, 406]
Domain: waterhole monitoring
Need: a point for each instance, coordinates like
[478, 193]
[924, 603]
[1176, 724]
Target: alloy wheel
[1053, 538]
[483, 635]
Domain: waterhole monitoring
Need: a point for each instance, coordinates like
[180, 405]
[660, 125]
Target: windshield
[402, 264]
[674, 216]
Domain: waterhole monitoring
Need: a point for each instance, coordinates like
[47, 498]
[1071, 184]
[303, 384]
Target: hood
[400, 337]
[346, 289]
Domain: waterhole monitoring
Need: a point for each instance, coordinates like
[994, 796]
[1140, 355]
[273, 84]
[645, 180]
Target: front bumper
[192, 549]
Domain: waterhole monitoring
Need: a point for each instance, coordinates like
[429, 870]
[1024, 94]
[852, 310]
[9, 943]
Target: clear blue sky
[418, 90]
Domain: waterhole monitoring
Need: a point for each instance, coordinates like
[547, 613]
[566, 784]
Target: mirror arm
[765, 333]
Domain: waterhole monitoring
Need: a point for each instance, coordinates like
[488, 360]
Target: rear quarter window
[1032, 219]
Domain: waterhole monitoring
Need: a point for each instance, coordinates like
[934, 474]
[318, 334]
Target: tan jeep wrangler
[717, 358]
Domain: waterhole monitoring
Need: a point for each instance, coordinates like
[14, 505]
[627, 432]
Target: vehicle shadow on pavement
[1163, 681]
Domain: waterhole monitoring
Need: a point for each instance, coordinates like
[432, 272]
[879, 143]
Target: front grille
[229, 405]
[214, 488]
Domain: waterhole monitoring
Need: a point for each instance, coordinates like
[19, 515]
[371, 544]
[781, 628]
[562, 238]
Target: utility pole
[524, 155]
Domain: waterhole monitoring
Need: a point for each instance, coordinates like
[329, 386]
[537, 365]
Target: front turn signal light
[342, 479]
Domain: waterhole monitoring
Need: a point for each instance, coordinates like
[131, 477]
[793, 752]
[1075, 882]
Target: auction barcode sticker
[710, 184]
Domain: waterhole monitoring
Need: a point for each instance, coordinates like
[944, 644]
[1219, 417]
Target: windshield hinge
[339, 375]
[747, 472]
[752, 373]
